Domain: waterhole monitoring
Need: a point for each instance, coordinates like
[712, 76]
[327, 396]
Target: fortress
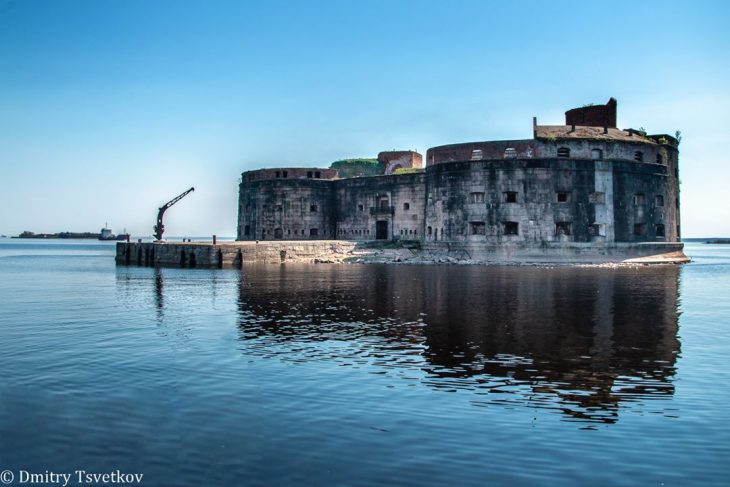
[585, 191]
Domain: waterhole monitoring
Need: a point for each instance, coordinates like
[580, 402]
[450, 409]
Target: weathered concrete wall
[395, 201]
[289, 209]
[616, 146]
[550, 200]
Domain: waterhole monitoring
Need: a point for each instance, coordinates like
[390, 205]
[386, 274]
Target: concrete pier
[230, 254]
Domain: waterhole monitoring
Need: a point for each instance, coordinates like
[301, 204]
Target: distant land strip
[90, 235]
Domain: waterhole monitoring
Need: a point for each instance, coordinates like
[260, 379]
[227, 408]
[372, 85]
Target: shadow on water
[581, 341]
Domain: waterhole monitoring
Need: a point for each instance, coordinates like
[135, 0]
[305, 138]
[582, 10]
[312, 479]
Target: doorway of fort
[278, 233]
[381, 230]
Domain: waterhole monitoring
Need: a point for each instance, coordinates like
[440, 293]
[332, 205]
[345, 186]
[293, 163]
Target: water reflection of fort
[580, 340]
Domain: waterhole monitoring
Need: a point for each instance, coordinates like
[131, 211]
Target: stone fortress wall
[584, 188]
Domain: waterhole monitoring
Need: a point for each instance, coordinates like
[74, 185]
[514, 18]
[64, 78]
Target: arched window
[563, 152]
[597, 154]
[659, 159]
[639, 156]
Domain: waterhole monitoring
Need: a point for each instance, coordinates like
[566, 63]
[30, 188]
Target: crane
[160, 228]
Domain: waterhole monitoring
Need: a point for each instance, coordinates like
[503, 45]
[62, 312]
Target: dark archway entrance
[278, 233]
[381, 230]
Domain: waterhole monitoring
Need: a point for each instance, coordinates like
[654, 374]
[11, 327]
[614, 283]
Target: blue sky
[110, 108]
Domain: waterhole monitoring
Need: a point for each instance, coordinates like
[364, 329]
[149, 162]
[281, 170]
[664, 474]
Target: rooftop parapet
[289, 173]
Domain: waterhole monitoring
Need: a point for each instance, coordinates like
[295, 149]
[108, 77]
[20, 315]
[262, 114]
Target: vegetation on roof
[352, 168]
[407, 170]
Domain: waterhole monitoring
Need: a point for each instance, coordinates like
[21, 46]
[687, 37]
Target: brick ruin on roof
[593, 115]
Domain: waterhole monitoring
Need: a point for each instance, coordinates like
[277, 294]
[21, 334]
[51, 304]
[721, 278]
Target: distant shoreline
[60, 235]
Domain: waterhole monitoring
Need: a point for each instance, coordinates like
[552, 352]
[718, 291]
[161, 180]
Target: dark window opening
[659, 200]
[313, 208]
[383, 202]
[563, 196]
[660, 230]
[278, 174]
[360, 207]
[278, 233]
[478, 228]
[476, 197]
[317, 175]
[597, 154]
[595, 230]
[286, 174]
[510, 196]
[406, 206]
[640, 229]
[639, 199]
[562, 228]
[279, 208]
[429, 230]
[313, 232]
[309, 174]
[659, 159]
[511, 228]
[639, 156]
[563, 152]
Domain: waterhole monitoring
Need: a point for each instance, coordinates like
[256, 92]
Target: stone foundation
[235, 254]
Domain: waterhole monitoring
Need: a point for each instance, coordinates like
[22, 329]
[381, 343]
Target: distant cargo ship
[106, 234]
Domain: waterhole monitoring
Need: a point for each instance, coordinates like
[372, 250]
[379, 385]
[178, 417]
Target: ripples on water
[363, 374]
[579, 341]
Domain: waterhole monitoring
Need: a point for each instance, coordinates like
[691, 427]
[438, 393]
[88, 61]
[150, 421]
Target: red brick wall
[593, 116]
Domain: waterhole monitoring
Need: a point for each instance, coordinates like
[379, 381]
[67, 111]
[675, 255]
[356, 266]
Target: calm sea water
[364, 374]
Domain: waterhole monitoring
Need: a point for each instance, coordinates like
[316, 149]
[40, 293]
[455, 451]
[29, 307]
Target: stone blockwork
[230, 254]
[570, 191]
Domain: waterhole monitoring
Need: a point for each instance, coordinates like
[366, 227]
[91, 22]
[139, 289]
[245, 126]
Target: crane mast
[160, 228]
